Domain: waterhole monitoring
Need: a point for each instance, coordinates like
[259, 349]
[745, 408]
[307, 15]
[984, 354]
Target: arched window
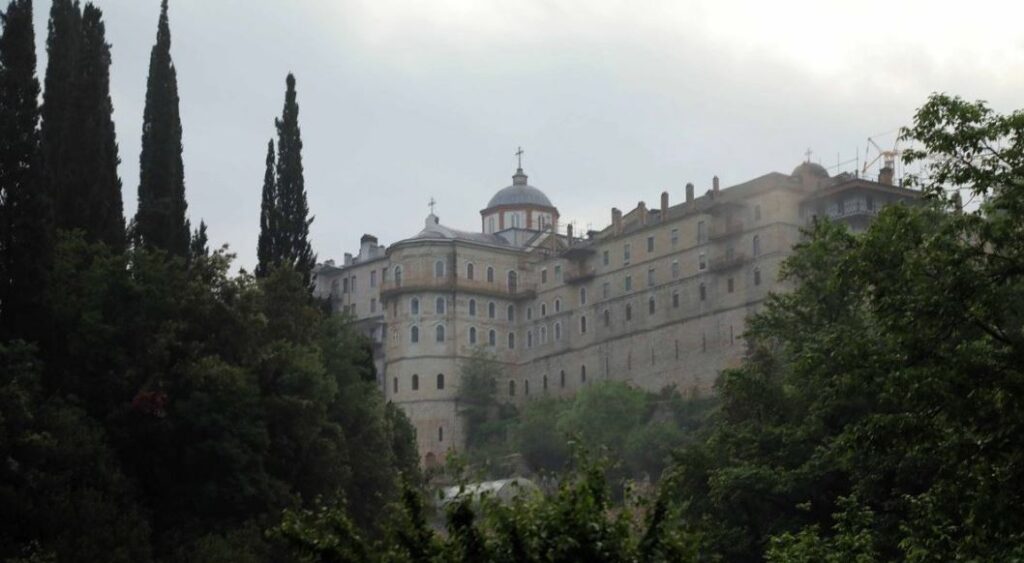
[439, 305]
[558, 331]
[629, 311]
[583, 324]
[440, 433]
[415, 382]
[511, 340]
[561, 377]
[511, 388]
[757, 276]
[543, 309]
[490, 274]
[398, 276]
[526, 387]
[558, 305]
[511, 313]
[439, 269]
[472, 307]
[491, 309]
[757, 246]
[513, 280]
[472, 335]
[650, 305]
[439, 333]
[469, 271]
[492, 338]
[583, 374]
[607, 318]
[703, 292]
[414, 334]
[414, 306]
[440, 381]
[583, 296]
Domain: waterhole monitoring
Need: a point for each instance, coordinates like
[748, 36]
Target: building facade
[659, 297]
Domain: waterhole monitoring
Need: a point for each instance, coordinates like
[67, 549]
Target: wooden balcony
[578, 275]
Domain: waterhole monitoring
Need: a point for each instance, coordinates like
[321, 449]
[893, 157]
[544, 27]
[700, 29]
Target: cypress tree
[24, 227]
[199, 243]
[160, 220]
[267, 248]
[62, 44]
[296, 250]
[79, 146]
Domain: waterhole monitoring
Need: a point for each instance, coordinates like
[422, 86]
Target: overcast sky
[613, 101]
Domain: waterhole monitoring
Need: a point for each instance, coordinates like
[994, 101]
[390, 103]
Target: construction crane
[888, 157]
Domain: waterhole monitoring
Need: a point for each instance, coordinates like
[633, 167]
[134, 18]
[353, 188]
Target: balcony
[725, 263]
[726, 230]
[578, 275]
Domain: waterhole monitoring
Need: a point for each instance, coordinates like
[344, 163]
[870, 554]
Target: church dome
[519, 193]
[810, 169]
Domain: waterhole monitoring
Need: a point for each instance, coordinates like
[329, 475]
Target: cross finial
[519, 155]
[431, 205]
[808, 154]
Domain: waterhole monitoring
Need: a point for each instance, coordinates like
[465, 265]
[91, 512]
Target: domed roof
[810, 168]
[519, 193]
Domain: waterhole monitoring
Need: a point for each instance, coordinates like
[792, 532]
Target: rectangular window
[629, 283]
[675, 237]
[675, 269]
[730, 284]
[384, 275]
[558, 272]
[650, 277]
[675, 299]
[702, 263]
[544, 276]
[604, 257]
[625, 253]
[702, 232]
[373, 278]
[605, 290]
[344, 285]
[353, 284]
[373, 305]
[650, 244]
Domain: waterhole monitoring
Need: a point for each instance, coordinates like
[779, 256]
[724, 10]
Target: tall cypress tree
[91, 198]
[294, 210]
[25, 236]
[62, 45]
[160, 220]
[79, 146]
[267, 247]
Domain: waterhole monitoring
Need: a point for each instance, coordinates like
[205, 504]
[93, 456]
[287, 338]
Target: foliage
[160, 220]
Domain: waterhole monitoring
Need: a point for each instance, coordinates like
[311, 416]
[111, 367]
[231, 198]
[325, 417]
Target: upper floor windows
[439, 333]
[675, 299]
[756, 246]
[415, 382]
[469, 271]
[650, 305]
[439, 305]
[472, 335]
[650, 277]
[398, 276]
[558, 272]
[544, 275]
[702, 232]
[604, 258]
[675, 269]
[702, 262]
[414, 334]
[439, 269]
[543, 309]
[583, 296]
[757, 212]
[605, 290]
[513, 282]
[558, 332]
[511, 341]
[675, 237]
[583, 324]
[440, 381]
[492, 338]
[414, 306]
[558, 305]
[650, 244]
[703, 292]
[490, 274]
[626, 252]
[629, 283]
[607, 317]
[529, 313]
[373, 278]
[757, 276]
[629, 312]
[511, 313]
[491, 310]
[472, 307]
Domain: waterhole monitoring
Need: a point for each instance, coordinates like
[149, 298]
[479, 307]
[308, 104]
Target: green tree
[25, 233]
[293, 210]
[160, 221]
[267, 249]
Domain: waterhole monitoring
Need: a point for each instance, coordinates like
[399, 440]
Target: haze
[613, 102]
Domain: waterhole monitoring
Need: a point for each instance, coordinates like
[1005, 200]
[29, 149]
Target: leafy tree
[160, 220]
[25, 234]
[478, 389]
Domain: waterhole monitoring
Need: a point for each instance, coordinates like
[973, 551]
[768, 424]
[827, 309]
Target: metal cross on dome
[519, 155]
[431, 205]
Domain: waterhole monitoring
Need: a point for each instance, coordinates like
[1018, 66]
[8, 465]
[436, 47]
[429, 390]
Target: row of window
[441, 271]
[440, 307]
[414, 383]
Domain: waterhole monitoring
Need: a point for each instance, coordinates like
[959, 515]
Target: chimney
[366, 245]
[689, 192]
[885, 175]
[568, 232]
[348, 258]
[642, 208]
[664, 205]
[616, 220]
[714, 185]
